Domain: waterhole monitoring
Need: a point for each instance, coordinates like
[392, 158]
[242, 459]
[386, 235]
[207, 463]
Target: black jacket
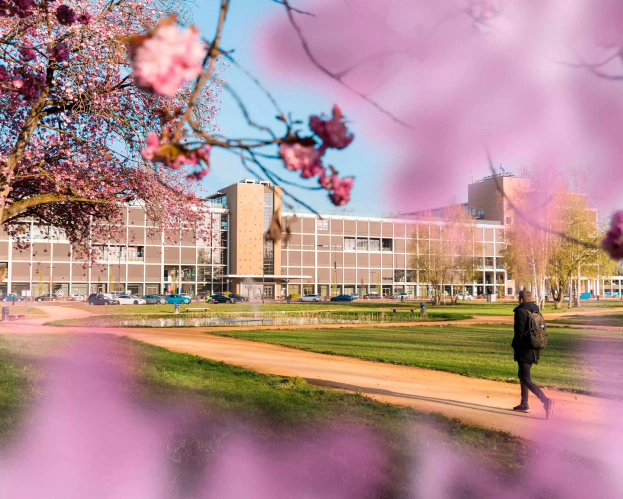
[521, 342]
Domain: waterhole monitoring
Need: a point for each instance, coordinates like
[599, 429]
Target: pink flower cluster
[176, 157]
[304, 158]
[339, 188]
[28, 85]
[333, 132]
[167, 58]
[613, 242]
[303, 155]
[60, 53]
[20, 8]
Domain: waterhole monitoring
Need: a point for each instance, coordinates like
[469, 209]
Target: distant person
[526, 354]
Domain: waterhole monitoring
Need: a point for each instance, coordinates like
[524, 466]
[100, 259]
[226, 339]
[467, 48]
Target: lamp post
[51, 267]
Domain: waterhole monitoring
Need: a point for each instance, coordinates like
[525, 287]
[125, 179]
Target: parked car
[221, 299]
[45, 297]
[12, 297]
[178, 299]
[314, 298]
[154, 300]
[464, 297]
[342, 298]
[238, 297]
[77, 297]
[130, 300]
[372, 296]
[400, 296]
[100, 299]
[355, 296]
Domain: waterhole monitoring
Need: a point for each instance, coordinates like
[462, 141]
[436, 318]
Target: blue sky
[362, 159]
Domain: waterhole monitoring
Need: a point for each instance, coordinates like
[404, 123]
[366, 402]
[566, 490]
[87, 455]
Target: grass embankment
[273, 409]
[29, 311]
[476, 351]
[233, 318]
[591, 320]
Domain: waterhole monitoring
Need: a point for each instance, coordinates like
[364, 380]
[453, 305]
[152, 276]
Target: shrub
[227, 293]
[295, 296]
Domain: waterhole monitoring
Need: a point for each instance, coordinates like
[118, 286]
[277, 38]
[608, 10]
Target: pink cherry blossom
[60, 53]
[341, 190]
[65, 15]
[303, 158]
[18, 83]
[613, 242]
[333, 132]
[167, 58]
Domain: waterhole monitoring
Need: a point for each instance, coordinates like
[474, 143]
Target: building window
[489, 262]
[399, 276]
[322, 224]
[473, 211]
[375, 245]
[509, 292]
[362, 244]
[387, 245]
[411, 275]
[349, 244]
[269, 257]
[481, 214]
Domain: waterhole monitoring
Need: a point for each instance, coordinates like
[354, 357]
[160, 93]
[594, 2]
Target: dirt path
[474, 401]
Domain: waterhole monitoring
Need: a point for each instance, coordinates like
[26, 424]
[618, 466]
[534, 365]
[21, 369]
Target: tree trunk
[19, 149]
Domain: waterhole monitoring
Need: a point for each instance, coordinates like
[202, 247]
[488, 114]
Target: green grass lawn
[476, 351]
[272, 408]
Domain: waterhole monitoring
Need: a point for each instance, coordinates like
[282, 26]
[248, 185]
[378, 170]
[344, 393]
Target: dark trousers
[527, 385]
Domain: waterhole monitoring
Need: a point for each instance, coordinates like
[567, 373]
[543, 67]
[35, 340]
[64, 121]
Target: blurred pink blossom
[153, 146]
[167, 58]
[613, 242]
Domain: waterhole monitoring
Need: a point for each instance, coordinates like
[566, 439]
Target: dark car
[342, 298]
[238, 297]
[45, 297]
[99, 299]
[12, 297]
[221, 299]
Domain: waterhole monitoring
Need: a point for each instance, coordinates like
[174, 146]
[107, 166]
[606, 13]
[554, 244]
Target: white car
[464, 297]
[77, 297]
[130, 300]
[314, 298]
[400, 296]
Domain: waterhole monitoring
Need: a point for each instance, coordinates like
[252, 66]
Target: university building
[330, 255]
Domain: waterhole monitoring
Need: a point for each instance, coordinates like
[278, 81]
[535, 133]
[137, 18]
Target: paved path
[474, 401]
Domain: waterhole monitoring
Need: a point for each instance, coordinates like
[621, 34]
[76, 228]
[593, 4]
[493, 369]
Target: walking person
[526, 355]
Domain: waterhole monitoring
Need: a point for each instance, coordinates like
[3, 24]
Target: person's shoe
[549, 408]
[521, 408]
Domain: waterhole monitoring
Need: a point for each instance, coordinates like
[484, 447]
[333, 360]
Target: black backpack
[537, 331]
